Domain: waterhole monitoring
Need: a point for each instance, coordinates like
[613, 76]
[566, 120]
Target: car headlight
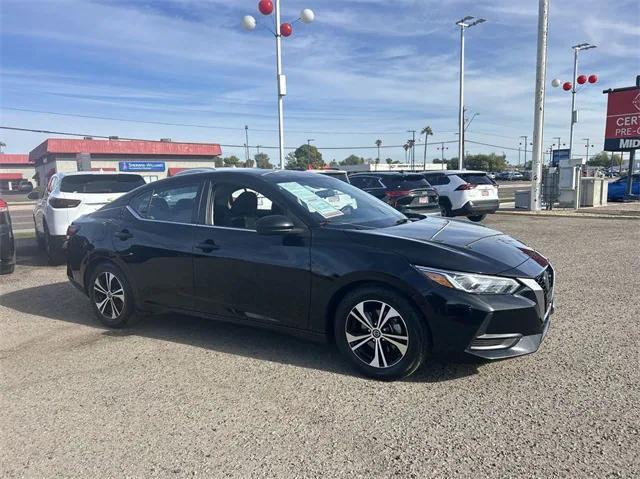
[471, 282]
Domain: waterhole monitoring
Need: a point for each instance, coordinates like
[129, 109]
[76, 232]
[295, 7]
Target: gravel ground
[183, 397]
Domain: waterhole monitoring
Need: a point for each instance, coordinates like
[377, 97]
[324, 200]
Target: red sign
[623, 120]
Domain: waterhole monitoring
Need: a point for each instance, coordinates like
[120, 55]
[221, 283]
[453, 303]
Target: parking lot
[182, 397]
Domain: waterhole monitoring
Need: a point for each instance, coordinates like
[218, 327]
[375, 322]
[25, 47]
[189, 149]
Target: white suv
[465, 193]
[71, 195]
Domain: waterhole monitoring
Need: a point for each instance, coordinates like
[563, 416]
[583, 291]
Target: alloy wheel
[376, 334]
[108, 295]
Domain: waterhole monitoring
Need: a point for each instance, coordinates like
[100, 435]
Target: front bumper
[493, 326]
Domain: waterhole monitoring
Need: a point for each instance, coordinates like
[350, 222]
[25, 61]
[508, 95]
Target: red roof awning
[123, 147]
[14, 159]
[175, 171]
[10, 176]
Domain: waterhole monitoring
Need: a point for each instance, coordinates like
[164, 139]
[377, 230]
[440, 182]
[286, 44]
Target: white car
[71, 195]
[465, 193]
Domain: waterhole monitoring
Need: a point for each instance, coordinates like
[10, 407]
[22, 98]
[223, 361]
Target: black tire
[39, 237]
[393, 362]
[55, 255]
[477, 218]
[114, 310]
[445, 208]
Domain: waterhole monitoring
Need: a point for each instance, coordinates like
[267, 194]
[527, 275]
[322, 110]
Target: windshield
[336, 203]
[100, 183]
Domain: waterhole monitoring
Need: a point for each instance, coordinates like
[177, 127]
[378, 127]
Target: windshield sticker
[313, 202]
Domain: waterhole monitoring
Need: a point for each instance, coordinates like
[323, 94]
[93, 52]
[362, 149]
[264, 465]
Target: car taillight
[465, 186]
[72, 230]
[63, 203]
[3, 206]
[398, 193]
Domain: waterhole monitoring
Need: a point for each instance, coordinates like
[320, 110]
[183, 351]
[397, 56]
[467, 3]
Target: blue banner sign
[558, 156]
[141, 166]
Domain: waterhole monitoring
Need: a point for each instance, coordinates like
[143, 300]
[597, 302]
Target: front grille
[546, 281]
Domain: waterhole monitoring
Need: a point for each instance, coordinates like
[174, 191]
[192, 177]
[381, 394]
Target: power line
[197, 125]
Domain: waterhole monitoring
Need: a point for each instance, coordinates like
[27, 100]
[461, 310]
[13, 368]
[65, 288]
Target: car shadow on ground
[28, 253]
[61, 302]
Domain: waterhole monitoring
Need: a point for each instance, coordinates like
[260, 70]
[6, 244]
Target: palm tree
[3, 144]
[378, 144]
[406, 148]
[426, 131]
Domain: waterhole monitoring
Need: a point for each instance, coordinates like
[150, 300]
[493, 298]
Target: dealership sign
[623, 120]
[138, 166]
[559, 156]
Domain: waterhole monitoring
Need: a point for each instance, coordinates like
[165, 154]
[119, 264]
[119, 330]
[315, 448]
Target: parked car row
[311, 255]
[7, 243]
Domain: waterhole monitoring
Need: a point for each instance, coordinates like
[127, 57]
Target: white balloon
[307, 15]
[248, 22]
[555, 83]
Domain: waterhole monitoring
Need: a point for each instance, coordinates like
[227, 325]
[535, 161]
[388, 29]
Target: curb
[569, 215]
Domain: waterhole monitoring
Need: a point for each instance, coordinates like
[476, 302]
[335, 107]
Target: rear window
[405, 182]
[100, 183]
[338, 175]
[476, 178]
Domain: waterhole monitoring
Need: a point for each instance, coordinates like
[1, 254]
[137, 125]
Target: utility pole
[246, 144]
[412, 154]
[588, 140]
[442, 148]
[463, 23]
[526, 140]
[538, 115]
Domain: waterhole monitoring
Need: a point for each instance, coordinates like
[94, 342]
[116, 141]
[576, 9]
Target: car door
[154, 238]
[244, 275]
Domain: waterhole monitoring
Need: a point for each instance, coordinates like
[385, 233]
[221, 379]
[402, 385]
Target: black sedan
[7, 242]
[314, 256]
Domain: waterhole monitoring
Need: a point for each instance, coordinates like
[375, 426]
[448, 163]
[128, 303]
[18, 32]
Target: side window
[140, 204]
[358, 181]
[236, 206]
[175, 204]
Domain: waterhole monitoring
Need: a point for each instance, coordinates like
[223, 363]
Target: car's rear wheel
[111, 295]
[380, 333]
[55, 255]
[445, 208]
[477, 218]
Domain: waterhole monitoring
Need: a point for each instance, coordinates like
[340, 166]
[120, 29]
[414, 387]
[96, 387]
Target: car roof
[75, 173]
[387, 173]
[457, 172]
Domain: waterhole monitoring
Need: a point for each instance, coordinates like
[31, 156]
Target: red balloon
[265, 7]
[566, 86]
[593, 78]
[582, 79]
[286, 29]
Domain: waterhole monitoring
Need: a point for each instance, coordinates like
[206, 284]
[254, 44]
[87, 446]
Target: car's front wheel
[381, 333]
[111, 295]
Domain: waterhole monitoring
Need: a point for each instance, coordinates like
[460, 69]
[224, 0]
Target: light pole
[572, 86]
[267, 7]
[526, 141]
[463, 23]
[309, 140]
[588, 140]
[442, 148]
[246, 137]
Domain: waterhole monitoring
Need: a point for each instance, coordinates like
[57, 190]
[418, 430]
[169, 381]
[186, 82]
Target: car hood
[462, 246]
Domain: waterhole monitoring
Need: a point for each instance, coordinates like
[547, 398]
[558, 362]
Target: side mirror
[34, 195]
[275, 225]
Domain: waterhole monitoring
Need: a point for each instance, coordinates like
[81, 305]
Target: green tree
[490, 162]
[262, 161]
[427, 132]
[232, 160]
[388, 161]
[219, 162]
[601, 159]
[378, 144]
[352, 160]
[304, 157]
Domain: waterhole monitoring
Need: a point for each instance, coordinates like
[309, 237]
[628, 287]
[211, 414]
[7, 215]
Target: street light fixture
[266, 8]
[463, 23]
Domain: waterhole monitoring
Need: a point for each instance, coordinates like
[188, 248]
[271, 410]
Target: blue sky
[365, 69]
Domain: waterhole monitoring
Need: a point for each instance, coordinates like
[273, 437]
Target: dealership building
[151, 159]
[16, 167]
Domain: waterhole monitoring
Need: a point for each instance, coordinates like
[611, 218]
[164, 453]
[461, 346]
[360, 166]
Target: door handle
[207, 246]
[123, 235]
